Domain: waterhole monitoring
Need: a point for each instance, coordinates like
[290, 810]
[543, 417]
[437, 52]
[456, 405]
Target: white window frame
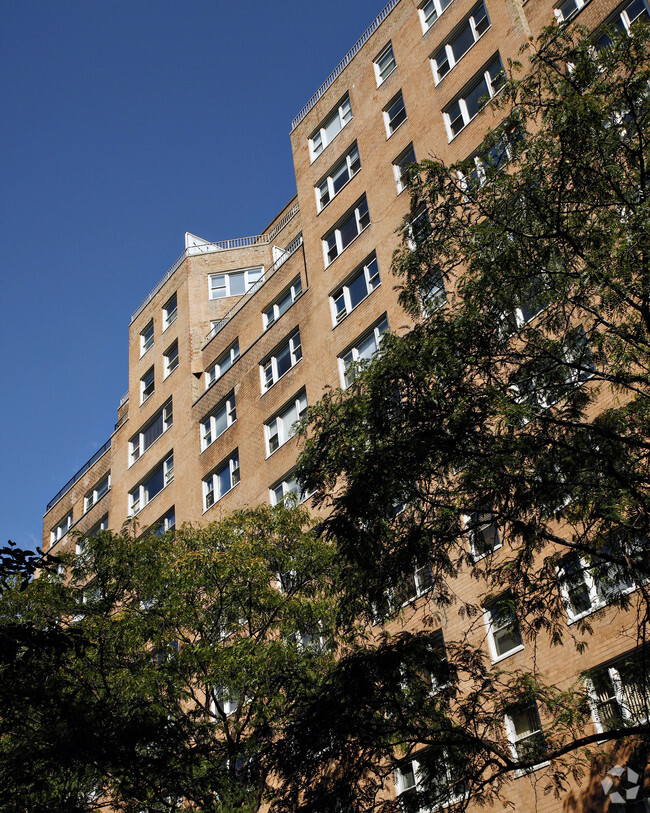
[212, 492]
[621, 19]
[170, 359]
[287, 485]
[369, 271]
[208, 427]
[428, 9]
[333, 240]
[422, 583]
[102, 525]
[139, 496]
[222, 364]
[325, 189]
[170, 311]
[578, 6]
[166, 523]
[447, 48]
[61, 529]
[269, 370]
[227, 698]
[387, 56]
[514, 739]
[146, 338]
[492, 88]
[392, 112]
[407, 156]
[144, 386]
[276, 430]
[99, 490]
[492, 630]
[136, 443]
[330, 127]
[351, 354]
[252, 276]
[477, 523]
[400, 784]
[282, 303]
[619, 695]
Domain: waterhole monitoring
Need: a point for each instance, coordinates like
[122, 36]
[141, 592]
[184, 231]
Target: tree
[495, 456]
[192, 649]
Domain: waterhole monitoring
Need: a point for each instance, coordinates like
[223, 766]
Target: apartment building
[240, 336]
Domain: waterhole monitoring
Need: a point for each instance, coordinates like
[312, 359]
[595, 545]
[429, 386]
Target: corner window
[221, 481]
[218, 420]
[282, 427]
[504, 637]
[330, 127]
[429, 12]
[458, 114]
[146, 338]
[153, 484]
[97, 492]
[224, 362]
[170, 359]
[363, 282]
[363, 350]
[348, 229]
[234, 283]
[401, 167]
[394, 114]
[286, 356]
[282, 304]
[60, 530]
[170, 311]
[384, 64]
[150, 432]
[337, 177]
[470, 31]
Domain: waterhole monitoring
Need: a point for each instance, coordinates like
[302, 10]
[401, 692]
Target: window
[146, 338]
[340, 237]
[288, 485]
[384, 64]
[490, 159]
[418, 582]
[343, 171]
[525, 733]
[363, 350]
[61, 529]
[394, 114]
[482, 533]
[283, 359]
[401, 167]
[419, 229]
[150, 432]
[152, 485]
[170, 311]
[221, 481]
[619, 692]
[147, 385]
[430, 10]
[468, 104]
[460, 42]
[283, 303]
[224, 702]
[234, 283]
[223, 363]
[444, 783]
[568, 8]
[624, 18]
[166, 523]
[102, 525]
[587, 585]
[170, 359]
[330, 127]
[97, 492]
[283, 426]
[348, 296]
[504, 637]
[217, 421]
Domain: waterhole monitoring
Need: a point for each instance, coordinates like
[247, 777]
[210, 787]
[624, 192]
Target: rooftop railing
[79, 474]
[345, 61]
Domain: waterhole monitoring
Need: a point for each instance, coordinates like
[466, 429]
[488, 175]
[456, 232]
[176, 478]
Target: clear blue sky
[125, 124]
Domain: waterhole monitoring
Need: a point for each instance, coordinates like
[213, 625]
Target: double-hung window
[330, 127]
[504, 637]
[150, 432]
[619, 692]
[282, 304]
[394, 114]
[444, 783]
[166, 523]
[283, 358]
[218, 420]
[338, 176]
[146, 338]
[470, 31]
[417, 582]
[524, 731]
[61, 529]
[153, 484]
[474, 97]
[363, 350]
[482, 533]
[288, 485]
[384, 63]
[102, 525]
[625, 18]
[147, 385]
[401, 167]
[170, 359]
[221, 480]
[363, 282]
[224, 702]
[234, 283]
[349, 228]
[97, 492]
[429, 12]
[224, 362]
[170, 311]
[587, 585]
[282, 426]
[566, 9]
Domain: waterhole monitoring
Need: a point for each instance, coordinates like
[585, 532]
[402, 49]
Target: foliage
[517, 404]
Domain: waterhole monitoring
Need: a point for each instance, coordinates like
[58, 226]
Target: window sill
[440, 81]
[281, 446]
[327, 265]
[165, 377]
[205, 510]
[426, 31]
[514, 651]
[597, 606]
[526, 771]
[365, 299]
[387, 77]
[477, 558]
[142, 403]
[270, 387]
[334, 197]
[465, 126]
[162, 435]
[169, 324]
[313, 159]
[90, 507]
[133, 515]
[143, 353]
[399, 126]
[212, 442]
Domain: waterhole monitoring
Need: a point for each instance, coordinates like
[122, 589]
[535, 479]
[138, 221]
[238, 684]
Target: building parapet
[345, 61]
[86, 466]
